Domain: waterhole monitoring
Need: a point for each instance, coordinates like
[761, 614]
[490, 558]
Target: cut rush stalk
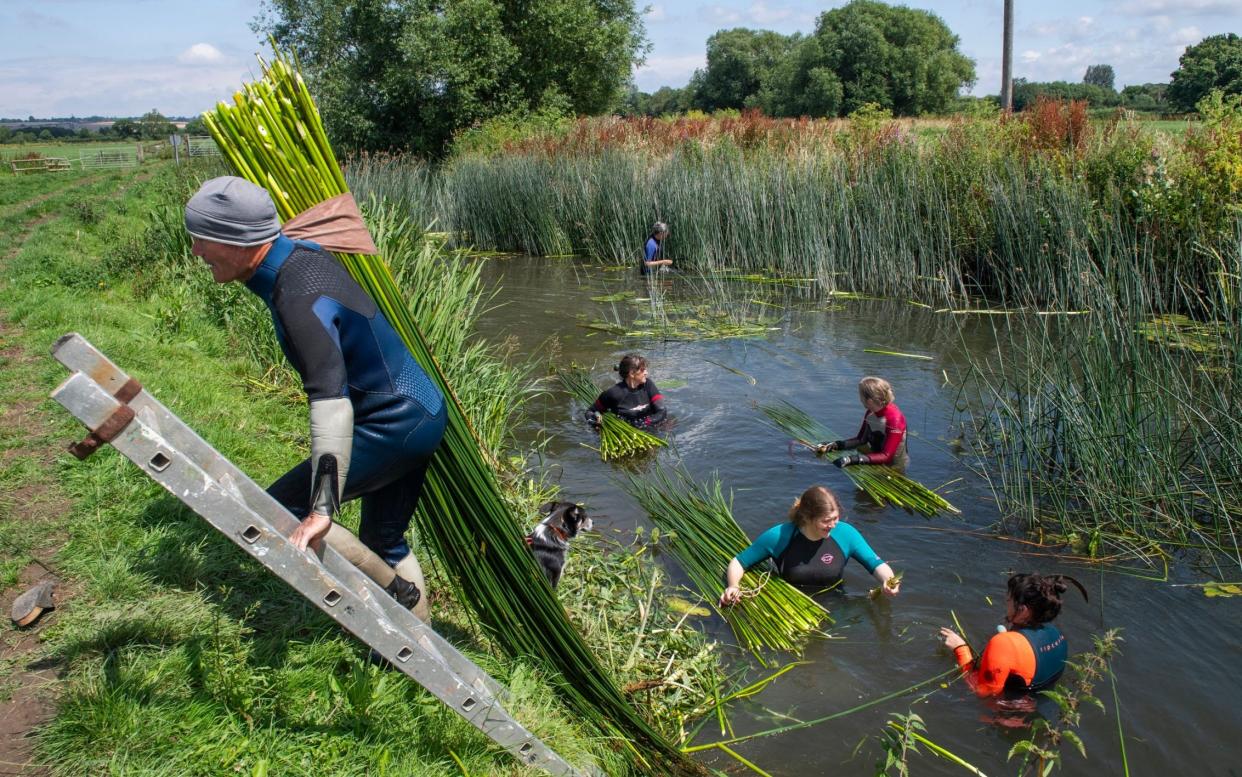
[273, 136]
[616, 437]
[772, 613]
[881, 482]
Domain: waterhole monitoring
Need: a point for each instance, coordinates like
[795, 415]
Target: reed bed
[773, 615]
[617, 439]
[882, 483]
[273, 136]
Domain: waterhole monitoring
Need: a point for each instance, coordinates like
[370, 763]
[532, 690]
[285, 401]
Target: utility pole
[1007, 60]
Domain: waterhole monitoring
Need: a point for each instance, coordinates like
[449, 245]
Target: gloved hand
[850, 460]
[593, 418]
[825, 447]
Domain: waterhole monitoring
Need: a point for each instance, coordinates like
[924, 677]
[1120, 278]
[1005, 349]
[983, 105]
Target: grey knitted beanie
[233, 211]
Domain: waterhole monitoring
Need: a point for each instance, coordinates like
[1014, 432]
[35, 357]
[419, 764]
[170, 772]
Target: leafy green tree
[1213, 63]
[1099, 75]
[154, 125]
[1025, 93]
[126, 128]
[739, 61]
[195, 126]
[801, 85]
[901, 59]
[409, 73]
[1146, 97]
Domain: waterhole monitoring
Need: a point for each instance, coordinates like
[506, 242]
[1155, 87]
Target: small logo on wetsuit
[827, 558]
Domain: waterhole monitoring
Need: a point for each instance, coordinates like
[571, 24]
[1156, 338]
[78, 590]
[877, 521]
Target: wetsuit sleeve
[768, 545]
[855, 547]
[857, 439]
[606, 401]
[895, 432]
[332, 432]
[657, 399]
[1001, 657]
[313, 343]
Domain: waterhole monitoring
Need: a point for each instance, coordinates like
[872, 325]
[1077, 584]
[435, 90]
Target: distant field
[67, 150]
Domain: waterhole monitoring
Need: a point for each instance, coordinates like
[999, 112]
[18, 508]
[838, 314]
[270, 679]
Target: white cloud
[1181, 7]
[200, 54]
[761, 13]
[663, 70]
[1187, 35]
[1030, 56]
[84, 86]
[719, 14]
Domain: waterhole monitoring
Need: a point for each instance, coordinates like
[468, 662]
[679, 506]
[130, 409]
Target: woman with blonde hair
[883, 430]
[810, 549]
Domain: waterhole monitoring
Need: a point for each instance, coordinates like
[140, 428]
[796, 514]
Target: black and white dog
[549, 542]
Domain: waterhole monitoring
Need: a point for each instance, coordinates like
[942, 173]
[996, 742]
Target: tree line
[829, 74]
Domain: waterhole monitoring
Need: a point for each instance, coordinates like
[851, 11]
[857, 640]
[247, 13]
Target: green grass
[182, 656]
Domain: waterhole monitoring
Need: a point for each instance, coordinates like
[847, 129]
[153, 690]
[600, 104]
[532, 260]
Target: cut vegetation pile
[273, 136]
[882, 483]
[772, 614]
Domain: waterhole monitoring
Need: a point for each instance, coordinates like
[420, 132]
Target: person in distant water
[810, 549]
[653, 252]
[375, 416]
[635, 398]
[1029, 652]
[883, 430]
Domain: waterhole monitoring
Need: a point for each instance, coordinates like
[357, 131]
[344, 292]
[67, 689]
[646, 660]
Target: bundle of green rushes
[772, 614]
[617, 438]
[882, 483]
[273, 136]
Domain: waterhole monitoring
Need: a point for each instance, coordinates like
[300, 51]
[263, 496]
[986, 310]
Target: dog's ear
[556, 518]
[546, 507]
[577, 514]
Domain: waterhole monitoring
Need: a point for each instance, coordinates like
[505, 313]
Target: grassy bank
[180, 655]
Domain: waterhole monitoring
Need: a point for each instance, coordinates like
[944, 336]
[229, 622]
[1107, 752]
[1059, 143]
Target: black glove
[593, 418]
[850, 459]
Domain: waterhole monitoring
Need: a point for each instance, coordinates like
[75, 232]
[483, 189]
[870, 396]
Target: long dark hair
[631, 362]
[1041, 594]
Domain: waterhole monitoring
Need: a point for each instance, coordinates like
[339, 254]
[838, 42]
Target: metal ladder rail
[77, 354]
[94, 406]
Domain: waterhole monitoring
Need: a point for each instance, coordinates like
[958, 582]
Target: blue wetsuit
[805, 562]
[651, 252]
[341, 345]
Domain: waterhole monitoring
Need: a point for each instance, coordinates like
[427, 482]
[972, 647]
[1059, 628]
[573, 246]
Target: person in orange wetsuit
[1029, 653]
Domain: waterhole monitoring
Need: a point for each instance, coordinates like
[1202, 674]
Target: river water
[1176, 679]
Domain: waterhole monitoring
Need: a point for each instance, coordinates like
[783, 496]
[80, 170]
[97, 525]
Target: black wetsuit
[341, 344]
[643, 406]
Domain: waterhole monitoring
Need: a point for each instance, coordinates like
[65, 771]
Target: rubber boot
[349, 546]
[409, 570]
[405, 592]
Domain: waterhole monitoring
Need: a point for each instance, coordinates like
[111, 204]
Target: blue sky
[125, 57]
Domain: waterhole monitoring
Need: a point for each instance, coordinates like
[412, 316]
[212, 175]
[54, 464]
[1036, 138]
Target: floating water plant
[617, 438]
[273, 136]
[882, 483]
[772, 614]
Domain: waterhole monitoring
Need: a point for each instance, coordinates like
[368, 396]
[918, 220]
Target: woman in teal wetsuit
[810, 550]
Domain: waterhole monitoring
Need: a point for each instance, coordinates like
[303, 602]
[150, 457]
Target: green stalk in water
[881, 482]
[772, 614]
[617, 439]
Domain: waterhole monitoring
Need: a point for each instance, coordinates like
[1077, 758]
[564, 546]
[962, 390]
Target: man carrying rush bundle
[375, 416]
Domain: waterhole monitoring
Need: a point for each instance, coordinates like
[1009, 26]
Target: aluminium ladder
[119, 411]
